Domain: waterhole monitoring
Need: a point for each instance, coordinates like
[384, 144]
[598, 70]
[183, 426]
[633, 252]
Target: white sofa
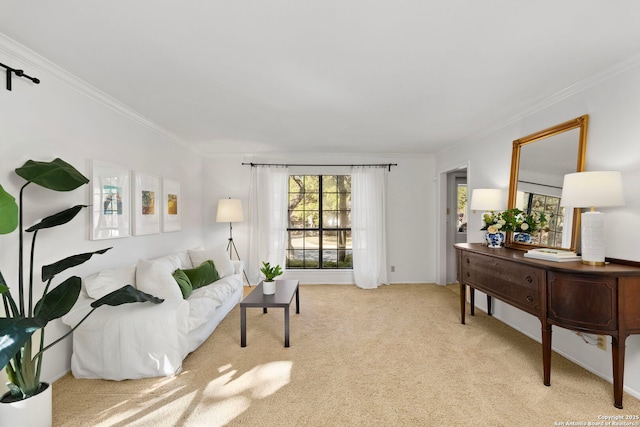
[149, 340]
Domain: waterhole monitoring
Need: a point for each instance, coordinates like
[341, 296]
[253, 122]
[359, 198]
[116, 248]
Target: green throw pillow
[183, 282]
[203, 274]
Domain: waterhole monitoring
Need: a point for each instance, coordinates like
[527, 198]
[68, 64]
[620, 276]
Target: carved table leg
[546, 353]
[472, 300]
[463, 297]
[617, 351]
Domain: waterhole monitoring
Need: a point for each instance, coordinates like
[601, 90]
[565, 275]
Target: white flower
[492, 229]
[524, 226]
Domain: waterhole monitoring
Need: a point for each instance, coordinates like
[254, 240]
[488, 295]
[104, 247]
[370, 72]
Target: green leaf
[57, 219]
[59, 301]
[8, 212]
[49, 271]
[125, 295]
[14, 333]
[57, 175]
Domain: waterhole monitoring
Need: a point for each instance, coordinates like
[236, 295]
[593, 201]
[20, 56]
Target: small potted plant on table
[270, 273]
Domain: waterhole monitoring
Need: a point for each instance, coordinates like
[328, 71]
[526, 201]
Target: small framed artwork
[146, 204]
[110, 201]
[171, 205]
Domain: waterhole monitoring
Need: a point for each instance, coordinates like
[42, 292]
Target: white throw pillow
[219, 256]
[155, 278]
[106, 281]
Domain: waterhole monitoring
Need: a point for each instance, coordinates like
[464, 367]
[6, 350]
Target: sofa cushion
[155, 277]
[185, 259]
[183, 282]
[100, 284]
[202, 275]
[219, 256]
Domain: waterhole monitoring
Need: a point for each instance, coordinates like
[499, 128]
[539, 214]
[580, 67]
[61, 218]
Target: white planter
[35, 411]
[268, 288]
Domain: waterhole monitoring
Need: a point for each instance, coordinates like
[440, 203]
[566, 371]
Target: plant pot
[495, 240]
[35, 411]
[522, 237]
[268, 288]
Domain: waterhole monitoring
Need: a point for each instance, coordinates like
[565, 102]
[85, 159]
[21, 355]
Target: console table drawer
[515, 283]
[583, 302]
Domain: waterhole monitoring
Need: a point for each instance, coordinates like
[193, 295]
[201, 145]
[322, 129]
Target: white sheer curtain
[268, 204]
[368, 224]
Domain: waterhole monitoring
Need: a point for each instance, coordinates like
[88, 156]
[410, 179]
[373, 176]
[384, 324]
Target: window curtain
[368, 225]
[268, 203]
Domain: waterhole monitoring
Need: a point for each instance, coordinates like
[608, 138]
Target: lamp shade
[229, 210]
[592, 189]
[487, 199]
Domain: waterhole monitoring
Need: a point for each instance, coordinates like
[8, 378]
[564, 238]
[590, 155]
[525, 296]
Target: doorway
[456, 219]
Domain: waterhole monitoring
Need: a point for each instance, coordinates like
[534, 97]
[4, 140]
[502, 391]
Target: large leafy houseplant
[23, 318]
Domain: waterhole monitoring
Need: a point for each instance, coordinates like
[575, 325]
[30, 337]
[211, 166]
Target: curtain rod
[542, 185]
[376, 165]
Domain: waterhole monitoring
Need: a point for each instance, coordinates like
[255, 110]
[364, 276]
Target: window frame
[321, 229]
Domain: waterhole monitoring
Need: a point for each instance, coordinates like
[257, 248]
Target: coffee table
[285, 291]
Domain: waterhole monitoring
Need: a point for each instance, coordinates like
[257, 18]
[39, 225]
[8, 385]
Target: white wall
[613, 144]
[62, 118]
[411, 196]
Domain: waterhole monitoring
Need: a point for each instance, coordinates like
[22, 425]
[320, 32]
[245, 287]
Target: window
[462, 208]
[550, 206]
[319, 231]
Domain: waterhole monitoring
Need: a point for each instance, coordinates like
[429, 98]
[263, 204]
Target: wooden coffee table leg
[286, 326]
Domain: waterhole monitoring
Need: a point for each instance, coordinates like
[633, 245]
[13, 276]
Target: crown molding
[561, 95]
[27, 57]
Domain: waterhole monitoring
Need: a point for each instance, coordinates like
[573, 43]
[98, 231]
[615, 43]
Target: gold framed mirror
[538, 164]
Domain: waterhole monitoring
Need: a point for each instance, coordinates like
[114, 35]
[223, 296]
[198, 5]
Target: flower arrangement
[514, 220]
[493, 222]
[520, 222]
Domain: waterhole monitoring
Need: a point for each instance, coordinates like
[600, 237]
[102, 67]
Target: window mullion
[320, 221]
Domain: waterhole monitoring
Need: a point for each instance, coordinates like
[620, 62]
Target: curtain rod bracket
[19, 73]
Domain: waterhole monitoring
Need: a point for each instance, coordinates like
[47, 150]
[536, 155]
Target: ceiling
[328, 76]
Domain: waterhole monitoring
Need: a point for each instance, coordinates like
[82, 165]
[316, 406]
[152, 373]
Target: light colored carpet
[396, 355]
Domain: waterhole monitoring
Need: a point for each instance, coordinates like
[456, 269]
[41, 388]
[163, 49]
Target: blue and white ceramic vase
[495, 240]
[522, 237]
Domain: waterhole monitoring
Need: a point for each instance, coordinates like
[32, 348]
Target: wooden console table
[603, 300]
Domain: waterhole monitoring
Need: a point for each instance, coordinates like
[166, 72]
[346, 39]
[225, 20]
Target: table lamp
[487, 199]
[590, 190]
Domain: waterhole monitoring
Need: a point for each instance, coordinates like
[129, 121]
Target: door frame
[442, 258]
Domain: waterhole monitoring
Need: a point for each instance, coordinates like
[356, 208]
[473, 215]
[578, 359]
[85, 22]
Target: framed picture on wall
[110, 201]
[171, 205]
[146, 204]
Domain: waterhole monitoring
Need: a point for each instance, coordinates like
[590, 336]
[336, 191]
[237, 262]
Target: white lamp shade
[487, 199]
[592, 189]
[520, 200]
[229, 210]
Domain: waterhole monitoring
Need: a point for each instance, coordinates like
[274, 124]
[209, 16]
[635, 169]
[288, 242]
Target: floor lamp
[230, 210]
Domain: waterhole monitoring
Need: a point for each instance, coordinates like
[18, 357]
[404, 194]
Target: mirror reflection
[539, 164]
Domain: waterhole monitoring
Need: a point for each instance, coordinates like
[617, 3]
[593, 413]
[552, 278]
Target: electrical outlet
[393, 268]
[602, 342]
